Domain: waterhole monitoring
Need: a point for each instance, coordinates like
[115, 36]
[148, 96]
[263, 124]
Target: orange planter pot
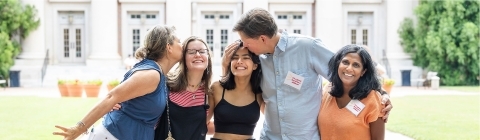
[75, 90]
[388, 88]
[109, 87]
[63, 90]
[91, 90]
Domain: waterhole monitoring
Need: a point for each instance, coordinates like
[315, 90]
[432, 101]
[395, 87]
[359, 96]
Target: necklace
[195, 88]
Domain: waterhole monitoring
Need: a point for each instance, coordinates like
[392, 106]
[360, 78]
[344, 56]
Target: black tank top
[187, 123]
[232, 119]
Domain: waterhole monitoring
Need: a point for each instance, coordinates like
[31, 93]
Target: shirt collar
[282, 43]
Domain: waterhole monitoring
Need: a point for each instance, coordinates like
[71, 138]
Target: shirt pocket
[289, 89]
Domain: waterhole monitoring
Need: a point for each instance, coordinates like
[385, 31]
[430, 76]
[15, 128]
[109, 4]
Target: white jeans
[99, 132]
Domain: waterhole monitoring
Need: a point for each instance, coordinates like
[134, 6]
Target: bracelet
[80, 124]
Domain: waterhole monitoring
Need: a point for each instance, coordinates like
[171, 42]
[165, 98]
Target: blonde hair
[155, 42]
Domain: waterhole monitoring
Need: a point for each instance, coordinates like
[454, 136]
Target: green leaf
[445, 38]
[16, 20]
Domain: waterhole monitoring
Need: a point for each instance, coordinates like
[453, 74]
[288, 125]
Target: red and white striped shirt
[188, 99]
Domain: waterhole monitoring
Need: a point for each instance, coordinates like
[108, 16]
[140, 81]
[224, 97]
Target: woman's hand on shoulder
[116, 107]
[216, 94]
[216, 87]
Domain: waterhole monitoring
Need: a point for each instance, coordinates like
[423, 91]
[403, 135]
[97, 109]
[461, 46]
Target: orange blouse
[341, 124]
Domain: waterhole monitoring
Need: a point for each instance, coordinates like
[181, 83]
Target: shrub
[114, 83]
[96, 82]
[388, 82]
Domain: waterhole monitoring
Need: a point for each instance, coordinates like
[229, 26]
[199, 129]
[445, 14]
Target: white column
[183, 23]
[33, 46]
[104, 34]
[30, 60]
[250, 4]
[328, 23]
[397, 10]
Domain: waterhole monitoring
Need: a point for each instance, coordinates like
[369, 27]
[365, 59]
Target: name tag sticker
[355, 106]
[294, 80]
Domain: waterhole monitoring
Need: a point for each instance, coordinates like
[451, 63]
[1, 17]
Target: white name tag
[294, 80]
[355, 106]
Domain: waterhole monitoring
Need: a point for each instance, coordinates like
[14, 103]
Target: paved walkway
[396, 92]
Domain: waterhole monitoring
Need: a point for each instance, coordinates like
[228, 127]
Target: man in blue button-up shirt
[292, 67]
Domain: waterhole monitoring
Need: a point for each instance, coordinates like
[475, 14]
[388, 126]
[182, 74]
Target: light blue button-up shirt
[291, 114]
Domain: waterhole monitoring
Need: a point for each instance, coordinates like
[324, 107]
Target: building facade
[103, 32]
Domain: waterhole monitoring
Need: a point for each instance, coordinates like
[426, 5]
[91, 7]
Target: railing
[386, 63]
[44, 66]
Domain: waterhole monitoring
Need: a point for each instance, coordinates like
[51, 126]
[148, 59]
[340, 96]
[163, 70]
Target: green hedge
[17, 21]
[445, 39]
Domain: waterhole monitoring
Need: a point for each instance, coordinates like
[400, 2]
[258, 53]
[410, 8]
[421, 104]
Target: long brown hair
[177, 80]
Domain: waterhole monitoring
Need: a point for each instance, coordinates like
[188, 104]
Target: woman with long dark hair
[351, 107]
[237, 100]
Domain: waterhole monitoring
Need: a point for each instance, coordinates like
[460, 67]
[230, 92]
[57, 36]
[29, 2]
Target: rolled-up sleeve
[319, 57]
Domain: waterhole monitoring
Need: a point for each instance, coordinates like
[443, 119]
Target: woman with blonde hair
[142, 93]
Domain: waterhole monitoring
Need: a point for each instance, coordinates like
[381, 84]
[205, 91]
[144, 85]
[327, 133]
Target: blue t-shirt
[138, 116]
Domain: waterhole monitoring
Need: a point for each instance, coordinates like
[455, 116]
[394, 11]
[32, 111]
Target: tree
[16, 22]
[445, 38]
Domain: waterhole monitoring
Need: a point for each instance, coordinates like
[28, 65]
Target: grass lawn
[25, 118]
[462, 88]
[445, 117]
[421, 117]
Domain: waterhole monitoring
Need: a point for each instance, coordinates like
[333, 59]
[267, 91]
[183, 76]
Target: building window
[209, 16]
[365, 37]
[354, 36]
[135, 16]
[297, 16]
[66, 43]
[224, 40]
[151, 16]
[209, 35]
[297, 31]
[136, 39]
[78, 43]
[282, 16]
[224, 17]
